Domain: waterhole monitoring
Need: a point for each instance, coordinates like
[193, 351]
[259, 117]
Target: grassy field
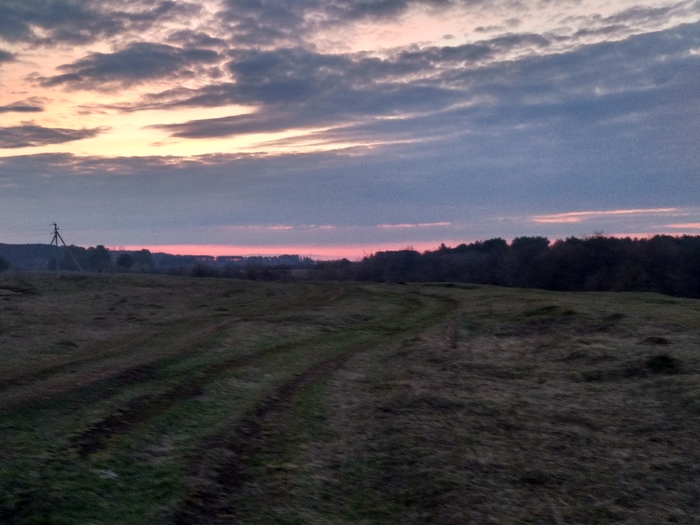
[150, 399]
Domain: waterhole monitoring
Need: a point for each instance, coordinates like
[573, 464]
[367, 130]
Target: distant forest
[663, 264]
[44, 257]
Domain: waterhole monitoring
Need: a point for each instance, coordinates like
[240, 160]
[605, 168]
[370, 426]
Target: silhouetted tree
[125, 261]
[99, 257]
[143, 259]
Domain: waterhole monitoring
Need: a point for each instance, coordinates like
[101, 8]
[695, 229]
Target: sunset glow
[352, 252]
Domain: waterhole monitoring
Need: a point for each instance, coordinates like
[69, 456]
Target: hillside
[131, 399]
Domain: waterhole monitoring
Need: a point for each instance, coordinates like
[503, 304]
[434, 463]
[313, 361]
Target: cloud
[685, 226]
[41, 22]
[633, 20]
[32, 105]
[240, 124]
[468, 183]
[19, 108]
[580, 216]
[264, 22]
[408, 226]
[612, 88]
[281, 227]
[638, 14]
[296, 87]
[6, 56]
[190, 38]
[137, 62]
[31, 136]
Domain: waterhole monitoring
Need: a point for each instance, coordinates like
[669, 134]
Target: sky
[337, 128]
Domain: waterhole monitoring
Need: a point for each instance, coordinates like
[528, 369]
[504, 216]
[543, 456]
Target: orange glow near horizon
[353, 252]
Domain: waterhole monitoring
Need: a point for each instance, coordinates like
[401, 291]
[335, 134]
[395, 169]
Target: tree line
[664, 264]
[45, 257]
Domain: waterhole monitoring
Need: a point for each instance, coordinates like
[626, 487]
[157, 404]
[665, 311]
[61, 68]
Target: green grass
[149, 399]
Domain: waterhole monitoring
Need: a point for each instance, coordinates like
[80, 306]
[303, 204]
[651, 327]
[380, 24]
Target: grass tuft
[663, 364]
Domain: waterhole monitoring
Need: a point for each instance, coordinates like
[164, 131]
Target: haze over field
[339, 127]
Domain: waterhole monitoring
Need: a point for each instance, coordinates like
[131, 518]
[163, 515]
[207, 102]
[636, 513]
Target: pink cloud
[416, 225]
[685, 225]
[282, 227]
[580, 216]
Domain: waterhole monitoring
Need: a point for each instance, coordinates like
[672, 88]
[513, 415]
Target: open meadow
[134, 399]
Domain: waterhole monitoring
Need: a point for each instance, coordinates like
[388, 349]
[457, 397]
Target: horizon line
[351, 251]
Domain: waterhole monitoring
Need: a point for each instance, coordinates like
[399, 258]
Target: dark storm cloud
[29, 135]
[135, 63]
[79, 22]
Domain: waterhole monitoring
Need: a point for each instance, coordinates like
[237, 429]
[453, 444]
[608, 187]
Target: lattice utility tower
[54, 240]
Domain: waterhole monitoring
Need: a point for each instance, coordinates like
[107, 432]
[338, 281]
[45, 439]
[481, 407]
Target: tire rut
[114, 350]
[312, 298]
[218, 473]
[143, 409]
[211, 485]
[103, 383]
